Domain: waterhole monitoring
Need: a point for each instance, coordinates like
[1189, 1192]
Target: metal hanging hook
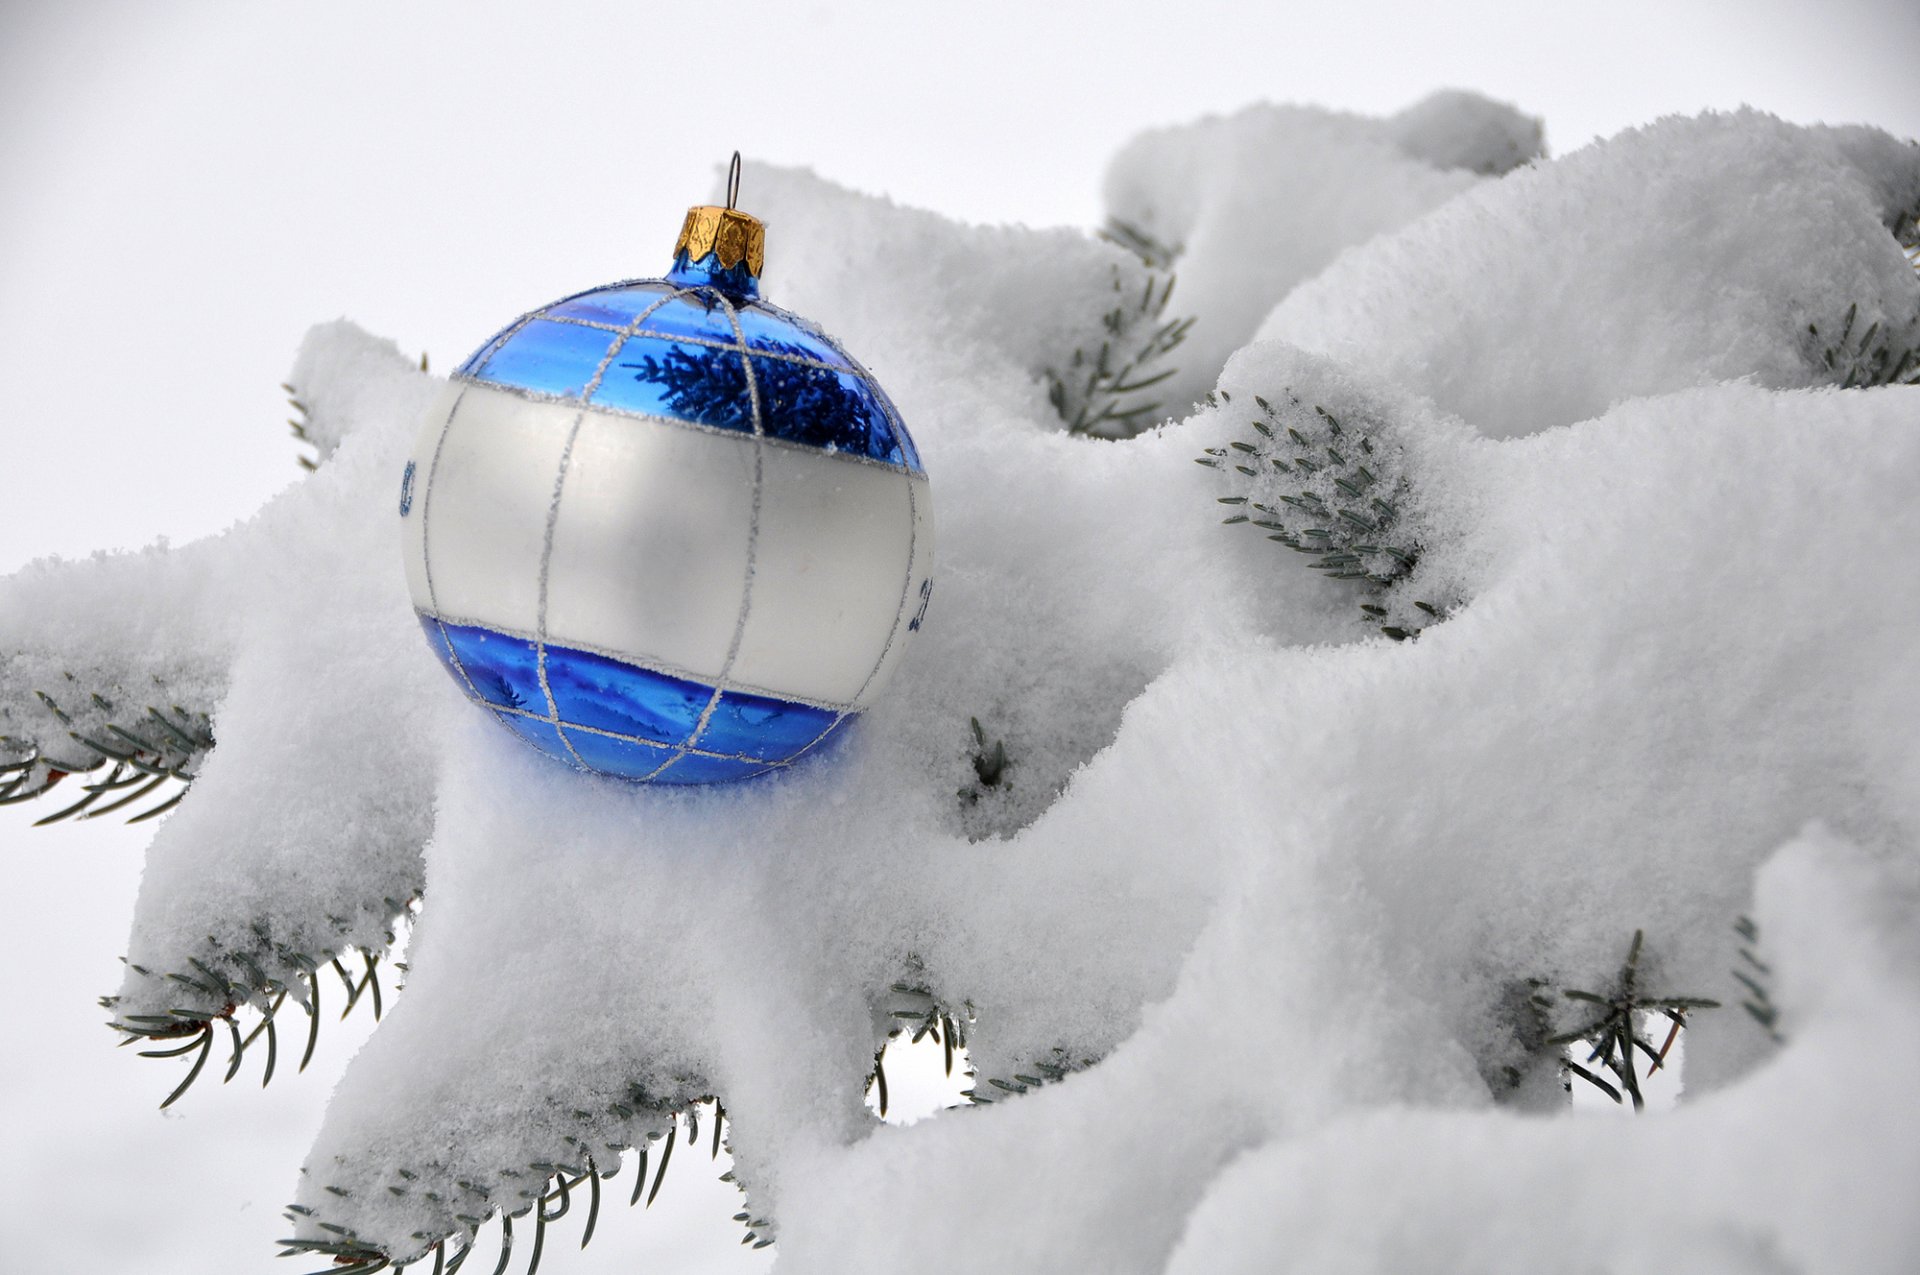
[733, 181]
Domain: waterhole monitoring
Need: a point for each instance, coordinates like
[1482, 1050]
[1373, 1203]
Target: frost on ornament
[665, 531]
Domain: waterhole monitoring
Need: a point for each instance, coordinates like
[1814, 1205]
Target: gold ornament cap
[728, 235]
[725, 233]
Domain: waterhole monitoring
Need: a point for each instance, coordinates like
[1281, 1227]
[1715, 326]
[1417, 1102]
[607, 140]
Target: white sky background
[185, 188]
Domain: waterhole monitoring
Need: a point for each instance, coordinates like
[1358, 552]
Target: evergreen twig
[1154, 253]
[232, 991]
[1871, 356]
[1099, 393]
[1321, 487]
[141, 751]
[989, 763]
[1056, 1065]
[544, 1190]
[1613, 1031]
[1753, 973]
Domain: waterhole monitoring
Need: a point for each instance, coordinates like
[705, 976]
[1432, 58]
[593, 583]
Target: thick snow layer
[1683, 253]
[1269, 885]
[1256, 202]
[1806, 1166]
[1618, 728]
[305, 828]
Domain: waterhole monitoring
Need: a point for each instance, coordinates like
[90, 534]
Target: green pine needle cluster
[1322, 488]
[1102, 393]
[141, 750]
[910, 1010]
[303, 417]
[1883, 352]
[1099, 394]
[217, 996]
[1612, 1029]
[1752, 974]
[989, 763]
[1141, 243]
[1056, 1066]
[543, 1190]
[1879, 354]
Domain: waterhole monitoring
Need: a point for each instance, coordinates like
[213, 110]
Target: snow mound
[1683, 253]
[1456, 129]
[1254, 203]
[1803, 1167]
[1617, 730]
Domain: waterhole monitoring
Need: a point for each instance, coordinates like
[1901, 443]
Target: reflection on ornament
[665, 531]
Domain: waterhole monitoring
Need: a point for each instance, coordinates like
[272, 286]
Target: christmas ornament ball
[667, 532]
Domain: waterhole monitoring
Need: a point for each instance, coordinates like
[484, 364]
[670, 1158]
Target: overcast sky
[189, 186]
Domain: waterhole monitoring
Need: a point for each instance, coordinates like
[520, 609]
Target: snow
[1259, 201]
[1263, 880]
[1805, 1167]
[1683, 253]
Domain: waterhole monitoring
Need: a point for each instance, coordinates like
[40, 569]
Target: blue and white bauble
[665, 531]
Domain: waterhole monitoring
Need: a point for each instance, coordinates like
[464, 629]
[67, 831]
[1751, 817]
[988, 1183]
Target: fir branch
[544, 1191]
[1323, 488]
[989, 764]
[909, 1009]
[301, 424]
[1753, 974]
[1153, 252]
[144, 752]
[1856, 357]
[232, 997]
[1612, 1029]
[1098, 394]
[303, 417]
[1056, 1065]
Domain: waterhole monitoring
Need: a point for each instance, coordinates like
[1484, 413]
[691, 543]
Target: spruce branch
[909, 1009]
[1753, 974]
[1055, 1065]
[1099, 393]
[989, 763]
[1324, 488]
[1878, 354]
[302, 418]
[538, 1193]
[133, 752]
[321, 439]
[231, 997]
[1612, 1029]
[1154, 253]
[1882, 352]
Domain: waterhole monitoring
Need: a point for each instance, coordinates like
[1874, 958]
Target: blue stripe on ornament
[622, 719]
[503, 670]
[539, 732]
[799, 402]
[553, 358]
[616, 306]
[811, 392]
[738, 281]
[768, 327]
[625, 758]
[693, 768]
[762, 726]
[693, 314]
[682, 380]
[613, 695]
